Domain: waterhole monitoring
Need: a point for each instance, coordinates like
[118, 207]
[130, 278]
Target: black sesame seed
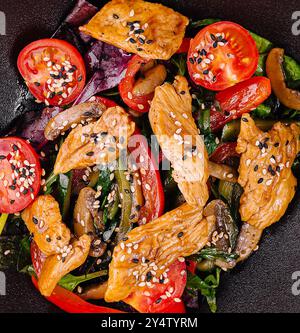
[224, 40]
[63, 259]
[48, 239]
[180, 234]
[184, 157]
[35, 220]
[12, 202]
[199, 60]
[148, 276]
[182, 92]
[162, 280]
[139, 49]
[158, 300]
[126, 191]
[265, 145]
[115, 16]
[147, 260]
[122, 139]
[124, 239]
[270, 168]
[90, 153]
[2, 157]
[278, 168]
[227, 113]
[245, 120]
[287, 142]
[25, 191]
[132, 40]
[213, 37]
[194, 148]
[276, 144]
[12, 187]
[149, 41]
[141, 40]
[103, 134]
[191, 60]
[215, 45]
[52, 95]
[260, 180]
[79, 78]
[220, 38]
[260, 145]
[139, 31]
[15, 147]
[131, 217]
[88, 114]
[138, 207]
[206, 72]
[203, 52]
[37, 84]
[135, 260]
[256, 168]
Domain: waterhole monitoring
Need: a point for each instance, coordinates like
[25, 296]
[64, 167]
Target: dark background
[263, 283]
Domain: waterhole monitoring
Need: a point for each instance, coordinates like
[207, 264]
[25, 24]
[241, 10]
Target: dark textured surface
[263, 283]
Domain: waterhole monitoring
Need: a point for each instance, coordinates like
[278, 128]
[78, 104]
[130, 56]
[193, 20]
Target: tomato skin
[223, 152]
[139, 104]
[16, 149]
[107, 102]
[185, 45]
[37, 257]
[243, 97]
[149, 304]
[224, 62]
[36, 74]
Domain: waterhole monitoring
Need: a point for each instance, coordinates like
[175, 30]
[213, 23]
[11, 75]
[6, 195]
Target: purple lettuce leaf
[107, 63]
[34, 123]
[81, 13]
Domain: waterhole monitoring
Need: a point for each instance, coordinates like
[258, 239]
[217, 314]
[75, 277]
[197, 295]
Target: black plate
[263, 283]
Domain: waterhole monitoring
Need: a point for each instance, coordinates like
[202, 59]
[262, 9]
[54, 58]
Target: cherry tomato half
[140, 104]
[20, 174]
[221, 55]
[53, 70]
[164, 297]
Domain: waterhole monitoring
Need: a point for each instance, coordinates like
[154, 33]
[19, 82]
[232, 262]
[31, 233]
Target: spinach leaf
[261, 67]
[204, 22]
[292, 72]
[207, 287]
[9, 251]
[64, 187]
[262, 111]
[263, 45]
[70, 282]
[204, 125]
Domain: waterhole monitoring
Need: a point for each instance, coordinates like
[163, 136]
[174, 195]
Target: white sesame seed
[122, 245]
[181, 259]
[122, 258]
[146, 293]
[142, 284]
[269, 182]
[264, 171]
[129, 95]
[185, 116]
[177, 300]
[141, 106]
[148, 187]
[7, 252]
[248, 162]
[287, 164]
[229, 175]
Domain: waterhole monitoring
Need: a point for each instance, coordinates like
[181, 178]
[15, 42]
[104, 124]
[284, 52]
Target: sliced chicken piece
[57, 266]
[172, 122]
[146, 253]
[71, 117]
[266, 177]
[44, 221]
[148, 29]
[95, 143]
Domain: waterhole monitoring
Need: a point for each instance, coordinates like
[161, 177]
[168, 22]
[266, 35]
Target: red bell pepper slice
[139, 104]
[71, 303]
[241, 98]
[223, 152]
[151, 183]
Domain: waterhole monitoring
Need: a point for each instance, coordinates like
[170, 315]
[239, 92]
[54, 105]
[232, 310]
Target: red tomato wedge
[163, 298]
[37, 257]
[139, 104]
[222, 55]
[20, 174]
[53, 70]
[243, 97]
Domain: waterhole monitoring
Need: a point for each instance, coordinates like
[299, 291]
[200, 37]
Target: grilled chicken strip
[148, 29]
[55, 267]
[154, 247]
[266, 177]
[44, 221]
[71, 117]
[172, 122]
[95, 143]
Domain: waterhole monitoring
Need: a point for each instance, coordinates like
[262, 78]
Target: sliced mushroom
[95, 291]
[222, 171]
[88, 221]
[67, 119]
[153, 78]
[275, 72]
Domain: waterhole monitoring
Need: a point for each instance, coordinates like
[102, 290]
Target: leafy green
[28, 270]
[70, 282]
[204, 125]
[261, 67]
[204, 22]
[179, 60]
[207, 287]
[50, 181]
[9, 251]
[292, 72]
[212, 254]
[263, 45]
[64, 186]
[105, 182]
[262, 111]
[210, 143]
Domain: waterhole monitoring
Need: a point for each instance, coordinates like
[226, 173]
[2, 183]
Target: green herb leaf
[292, 72]
[70, 282]
[179, 60]
[207, 287]
[204, 22]
[50, 181]
[212, 254]
[263, 45]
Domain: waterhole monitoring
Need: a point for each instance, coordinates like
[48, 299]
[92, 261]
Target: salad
[149, 157]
